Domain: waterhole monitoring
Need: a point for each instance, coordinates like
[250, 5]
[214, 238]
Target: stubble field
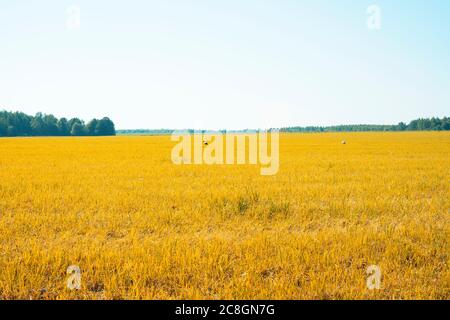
[140, 227]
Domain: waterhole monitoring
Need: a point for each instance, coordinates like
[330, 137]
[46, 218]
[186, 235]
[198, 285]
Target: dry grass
[140, 227]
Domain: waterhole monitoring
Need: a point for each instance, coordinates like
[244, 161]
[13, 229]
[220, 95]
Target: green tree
[105, 127]
[12, 131]
[21, 122]
[3, 128]
[63, 127]
[413, 125]
[402, 126]
[445, 125]
[38, 125]
[50, 125]
[91, 127]
[73, 121]
[77, 129]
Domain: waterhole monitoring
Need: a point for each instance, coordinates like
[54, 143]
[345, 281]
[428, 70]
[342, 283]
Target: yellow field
[140, 227]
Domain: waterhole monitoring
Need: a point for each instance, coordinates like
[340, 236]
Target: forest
[422, 124]
[19, 124]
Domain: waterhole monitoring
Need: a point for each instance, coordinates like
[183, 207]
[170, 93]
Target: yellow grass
[140, 227]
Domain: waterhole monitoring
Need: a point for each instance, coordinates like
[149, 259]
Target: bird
[344, 142]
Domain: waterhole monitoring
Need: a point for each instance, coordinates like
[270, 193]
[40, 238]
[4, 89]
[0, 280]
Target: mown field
[140, 227]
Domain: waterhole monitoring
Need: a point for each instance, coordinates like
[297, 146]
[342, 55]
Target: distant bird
[344, 142]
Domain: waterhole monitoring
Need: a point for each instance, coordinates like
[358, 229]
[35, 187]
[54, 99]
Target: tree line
[14, 124]
[422, 124]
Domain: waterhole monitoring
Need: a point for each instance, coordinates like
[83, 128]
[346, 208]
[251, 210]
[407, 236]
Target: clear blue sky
[226, 64]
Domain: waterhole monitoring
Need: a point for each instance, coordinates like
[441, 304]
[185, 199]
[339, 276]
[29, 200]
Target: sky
[234, 64]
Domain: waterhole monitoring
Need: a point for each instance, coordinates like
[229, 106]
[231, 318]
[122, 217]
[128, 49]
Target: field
[140, 227]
